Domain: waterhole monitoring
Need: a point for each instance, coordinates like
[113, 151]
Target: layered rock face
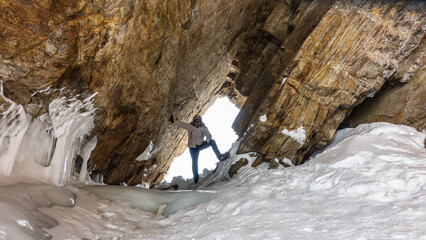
[402, 98]
[145, 59]
[354, 49]
[303, 64]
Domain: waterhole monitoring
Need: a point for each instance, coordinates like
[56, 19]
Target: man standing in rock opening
[197, 131]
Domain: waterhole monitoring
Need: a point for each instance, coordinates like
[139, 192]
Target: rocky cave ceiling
[307, 65]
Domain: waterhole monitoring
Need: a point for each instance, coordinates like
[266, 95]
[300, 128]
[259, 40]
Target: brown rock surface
[353, 50]
[150, 59]
[401, 101]
[145, 59]
[236, 166]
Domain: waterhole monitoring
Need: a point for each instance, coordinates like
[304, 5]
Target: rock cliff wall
[401, 100]
[355, 47]
[303, 64]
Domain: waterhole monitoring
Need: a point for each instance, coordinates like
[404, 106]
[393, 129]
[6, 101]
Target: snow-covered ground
[368, 184]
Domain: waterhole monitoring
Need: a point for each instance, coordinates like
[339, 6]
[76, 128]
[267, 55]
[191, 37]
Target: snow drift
[368, 184]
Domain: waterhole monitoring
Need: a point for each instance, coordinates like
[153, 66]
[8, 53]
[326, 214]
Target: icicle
[43, 149]
[86, 150]
[69, 126]
[13, 124]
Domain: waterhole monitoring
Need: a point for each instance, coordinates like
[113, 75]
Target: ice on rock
[20, 215]
[13, 125]
[283, 81]
[48, 146]
[143, 185]
[16, 225]
[299, 134]
[151, 200]
[288, 161]
[86, 150]
[147, 153]
[70, 125]
[42, 150]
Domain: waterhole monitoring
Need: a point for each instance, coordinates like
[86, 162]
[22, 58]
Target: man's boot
[224, 156]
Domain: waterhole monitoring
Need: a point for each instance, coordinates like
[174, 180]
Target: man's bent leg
[215, 149]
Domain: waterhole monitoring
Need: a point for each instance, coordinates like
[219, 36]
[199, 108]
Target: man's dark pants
[195, 152]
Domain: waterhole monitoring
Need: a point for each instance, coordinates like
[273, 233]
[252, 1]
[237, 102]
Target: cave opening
[218, 118]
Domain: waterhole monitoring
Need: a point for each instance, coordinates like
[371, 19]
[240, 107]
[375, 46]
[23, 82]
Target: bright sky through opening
[218, 119]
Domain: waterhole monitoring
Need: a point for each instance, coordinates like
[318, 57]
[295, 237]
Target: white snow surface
[299, 134]
[282, 83]
[369, 183]
[147, 153]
